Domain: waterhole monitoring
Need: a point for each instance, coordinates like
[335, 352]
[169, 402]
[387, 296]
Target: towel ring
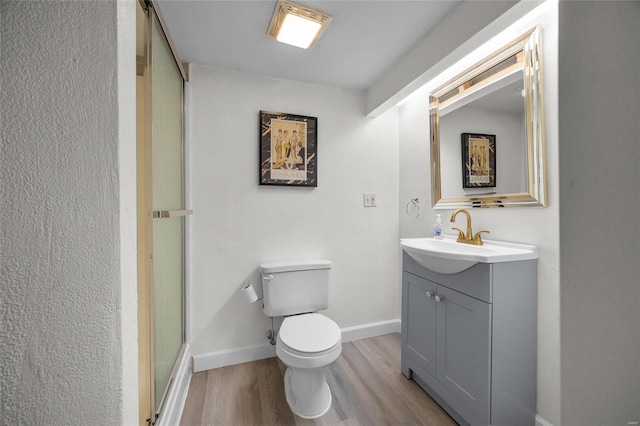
[415, 202]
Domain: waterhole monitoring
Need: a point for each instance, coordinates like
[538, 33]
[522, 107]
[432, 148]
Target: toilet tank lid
[294, 265]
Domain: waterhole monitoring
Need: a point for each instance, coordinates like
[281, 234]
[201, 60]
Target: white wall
[237, 223]
[465, 25]
[127, 176]
[63, 237]
[599, 234]
[537, 226]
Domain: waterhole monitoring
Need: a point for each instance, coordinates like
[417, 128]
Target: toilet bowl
[306, 344]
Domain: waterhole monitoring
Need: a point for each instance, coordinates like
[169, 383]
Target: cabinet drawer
[475, 281]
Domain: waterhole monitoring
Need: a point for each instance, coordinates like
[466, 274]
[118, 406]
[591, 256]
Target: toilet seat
[309, 354]
[309, 334]
[308, 341]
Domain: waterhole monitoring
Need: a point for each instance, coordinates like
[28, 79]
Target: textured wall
[537, 226]
[60, 332]
[237, 224]
[599, 116]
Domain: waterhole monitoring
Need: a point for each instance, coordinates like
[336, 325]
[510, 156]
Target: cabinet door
[421, 322]
[464, 349]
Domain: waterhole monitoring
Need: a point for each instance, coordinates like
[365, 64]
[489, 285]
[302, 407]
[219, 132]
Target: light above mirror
[487, 131]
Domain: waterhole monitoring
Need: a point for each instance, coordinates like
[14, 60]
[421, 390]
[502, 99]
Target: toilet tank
[294, 287]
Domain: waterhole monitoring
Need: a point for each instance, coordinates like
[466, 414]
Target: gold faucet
[469, 238]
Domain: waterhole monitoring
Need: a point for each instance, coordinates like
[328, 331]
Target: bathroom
[587, 334]
[361, 242]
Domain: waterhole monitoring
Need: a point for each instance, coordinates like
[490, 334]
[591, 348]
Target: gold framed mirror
[488, 133]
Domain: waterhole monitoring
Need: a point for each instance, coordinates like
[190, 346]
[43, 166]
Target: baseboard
[364, 331]
[542, 422]
[177, 396]
[217, 359]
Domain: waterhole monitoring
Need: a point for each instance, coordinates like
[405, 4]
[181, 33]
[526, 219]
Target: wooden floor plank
[271, 385]
[365, 401]
[391, 405]
[366, 384]
[345, 402]
[193, 406]
[385, 355]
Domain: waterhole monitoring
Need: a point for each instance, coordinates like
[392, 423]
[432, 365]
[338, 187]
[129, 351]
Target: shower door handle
[164, 214]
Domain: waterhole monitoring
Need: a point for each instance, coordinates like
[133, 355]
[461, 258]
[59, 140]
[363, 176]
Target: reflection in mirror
[499, 99]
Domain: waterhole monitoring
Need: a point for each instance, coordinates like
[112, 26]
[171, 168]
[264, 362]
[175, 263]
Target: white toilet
[307, 341]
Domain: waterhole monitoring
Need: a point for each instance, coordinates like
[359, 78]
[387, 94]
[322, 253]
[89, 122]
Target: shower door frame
[149, 409]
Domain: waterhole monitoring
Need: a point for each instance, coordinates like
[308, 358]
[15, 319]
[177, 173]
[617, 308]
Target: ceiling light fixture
[297, 25]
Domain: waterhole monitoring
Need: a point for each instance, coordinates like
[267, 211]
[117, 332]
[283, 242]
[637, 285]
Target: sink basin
[447, 256]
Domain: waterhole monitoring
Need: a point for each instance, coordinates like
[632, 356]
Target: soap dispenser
[437, 228]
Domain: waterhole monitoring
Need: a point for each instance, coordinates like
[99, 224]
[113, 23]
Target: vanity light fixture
[297, 25]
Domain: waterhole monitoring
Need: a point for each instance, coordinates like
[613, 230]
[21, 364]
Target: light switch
[370, 199]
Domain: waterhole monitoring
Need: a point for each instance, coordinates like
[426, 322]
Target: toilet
[307, 341]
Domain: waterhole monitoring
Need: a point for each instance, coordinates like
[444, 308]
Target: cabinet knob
[438, 298]
[429, 294]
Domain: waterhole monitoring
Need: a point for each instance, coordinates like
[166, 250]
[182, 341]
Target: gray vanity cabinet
[469, 339]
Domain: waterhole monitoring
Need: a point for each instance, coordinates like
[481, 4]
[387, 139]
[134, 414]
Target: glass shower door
[168, 211]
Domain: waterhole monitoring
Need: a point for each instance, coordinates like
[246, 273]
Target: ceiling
[363, 40]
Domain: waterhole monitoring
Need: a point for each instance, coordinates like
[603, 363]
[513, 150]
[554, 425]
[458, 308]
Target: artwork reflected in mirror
[478, 160]
[498, 99]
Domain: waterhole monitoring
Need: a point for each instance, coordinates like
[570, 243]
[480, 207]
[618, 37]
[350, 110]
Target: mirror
[487, 131]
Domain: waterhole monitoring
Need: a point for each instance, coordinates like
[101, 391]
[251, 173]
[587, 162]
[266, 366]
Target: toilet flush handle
[267, 277]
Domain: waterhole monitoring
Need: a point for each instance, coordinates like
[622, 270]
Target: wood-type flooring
[366, 383]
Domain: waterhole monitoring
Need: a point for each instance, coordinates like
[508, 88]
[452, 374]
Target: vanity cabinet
[469, 339]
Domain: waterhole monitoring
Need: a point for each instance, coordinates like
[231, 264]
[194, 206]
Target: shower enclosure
[161, 212]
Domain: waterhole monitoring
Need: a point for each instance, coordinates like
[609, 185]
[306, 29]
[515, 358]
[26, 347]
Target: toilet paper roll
[250, 293]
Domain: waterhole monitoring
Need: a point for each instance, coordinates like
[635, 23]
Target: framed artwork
[288, 149]
[478, 160]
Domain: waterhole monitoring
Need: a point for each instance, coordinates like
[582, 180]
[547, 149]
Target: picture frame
[288, 149]
[478, 160]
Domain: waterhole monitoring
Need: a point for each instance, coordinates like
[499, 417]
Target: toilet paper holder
[249, 293]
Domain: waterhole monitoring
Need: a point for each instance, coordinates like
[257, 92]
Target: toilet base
[307, 392]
